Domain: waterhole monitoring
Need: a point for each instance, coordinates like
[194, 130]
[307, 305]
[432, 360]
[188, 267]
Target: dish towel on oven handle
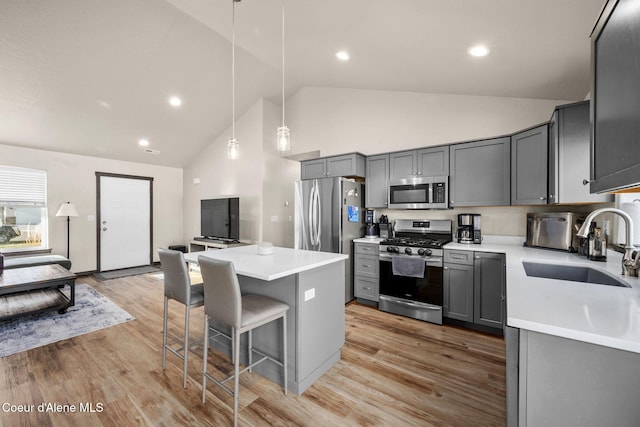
[407, 266]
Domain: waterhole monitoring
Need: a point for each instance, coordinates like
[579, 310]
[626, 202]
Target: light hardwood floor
[394, 371]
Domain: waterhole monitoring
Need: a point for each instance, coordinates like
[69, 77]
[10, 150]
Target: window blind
[23, 187]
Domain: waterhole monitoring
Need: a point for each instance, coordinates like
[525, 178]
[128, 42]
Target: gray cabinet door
[433, 161]
[402, 164]
[572, 153]
[489, 279]
[347, 165]
[480, 173]
[458, 292]
[529, 167]
[313, 169]
[377, 181]
[552, 161]
[615, 104]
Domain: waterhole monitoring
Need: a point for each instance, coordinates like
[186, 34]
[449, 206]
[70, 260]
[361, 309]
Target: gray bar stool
[224, 303]
[177, 286]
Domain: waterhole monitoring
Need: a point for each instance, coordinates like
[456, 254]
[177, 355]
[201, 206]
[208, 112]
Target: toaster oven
[555, 230]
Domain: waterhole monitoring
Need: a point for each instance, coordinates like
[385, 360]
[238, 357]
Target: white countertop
[283, 262]
[598, 314]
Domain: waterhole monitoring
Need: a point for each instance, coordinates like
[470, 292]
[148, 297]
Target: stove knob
[395, 250]
[427, 252]
[408, 251]
[390, 249]
[421, 252]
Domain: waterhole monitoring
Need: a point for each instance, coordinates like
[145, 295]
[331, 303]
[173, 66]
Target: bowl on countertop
[265, 248]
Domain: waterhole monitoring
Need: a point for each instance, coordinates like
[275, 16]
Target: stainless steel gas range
[411, 268]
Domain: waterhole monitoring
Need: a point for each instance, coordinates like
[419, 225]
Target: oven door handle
[411, 304]
[386, 257]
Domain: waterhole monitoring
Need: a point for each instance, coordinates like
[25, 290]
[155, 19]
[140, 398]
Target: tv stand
[205, 244]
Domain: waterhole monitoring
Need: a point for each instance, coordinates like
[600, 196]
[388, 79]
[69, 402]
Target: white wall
[72, 178]
[260, 178]
[337, 121]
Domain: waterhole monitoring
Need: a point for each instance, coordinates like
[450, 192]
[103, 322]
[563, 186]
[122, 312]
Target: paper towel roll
[633, 209]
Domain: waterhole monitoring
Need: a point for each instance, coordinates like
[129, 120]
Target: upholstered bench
[33, 260]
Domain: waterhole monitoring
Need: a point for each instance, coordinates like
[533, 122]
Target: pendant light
[283, 137]
[233, 146]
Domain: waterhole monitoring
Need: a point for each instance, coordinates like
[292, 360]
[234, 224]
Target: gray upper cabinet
[481, 173]
[615, 108]
[529, 166]
[328, 167]
[424, 162]
[569, 156]
[377, 181]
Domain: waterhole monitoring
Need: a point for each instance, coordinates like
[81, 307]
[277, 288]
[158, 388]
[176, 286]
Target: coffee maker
[371, 227]
[469, 228]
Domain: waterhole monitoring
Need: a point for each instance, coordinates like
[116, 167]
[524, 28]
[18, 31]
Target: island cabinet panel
[350, 165]
[564, 382]
[615, 108]
[377, 181]
[569, 156]
[480, 173]
[529, 166]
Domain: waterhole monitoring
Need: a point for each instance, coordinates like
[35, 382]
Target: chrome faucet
[630, 264]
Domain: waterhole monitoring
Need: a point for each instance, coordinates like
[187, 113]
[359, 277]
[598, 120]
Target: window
[23, 208]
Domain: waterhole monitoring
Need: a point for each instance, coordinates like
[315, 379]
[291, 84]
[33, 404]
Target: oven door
[420, 298]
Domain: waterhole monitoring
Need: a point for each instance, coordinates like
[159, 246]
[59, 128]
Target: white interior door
[124, 221]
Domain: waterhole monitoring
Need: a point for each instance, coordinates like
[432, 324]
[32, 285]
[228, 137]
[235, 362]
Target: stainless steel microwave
[429, 192]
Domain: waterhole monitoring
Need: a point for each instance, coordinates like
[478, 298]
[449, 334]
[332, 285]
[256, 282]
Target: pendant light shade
[233, 149]
[283, 136]
[233, 146]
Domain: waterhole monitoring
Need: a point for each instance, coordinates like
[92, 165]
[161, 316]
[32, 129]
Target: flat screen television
[220, 219]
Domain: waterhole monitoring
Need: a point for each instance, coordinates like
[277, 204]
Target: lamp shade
[67, 209]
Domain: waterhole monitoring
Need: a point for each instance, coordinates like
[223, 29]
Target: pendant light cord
[233, 69]
[282, 63]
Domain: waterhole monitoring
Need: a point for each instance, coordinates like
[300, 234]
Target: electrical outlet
[309, 294]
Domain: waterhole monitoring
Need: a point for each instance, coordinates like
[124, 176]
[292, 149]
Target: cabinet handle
[542, 197]
[446, 268]
[477, 256]
[419, 173]
[585, 182]
[550, 196]
[366, 288]
[457, 257]
[366, 265]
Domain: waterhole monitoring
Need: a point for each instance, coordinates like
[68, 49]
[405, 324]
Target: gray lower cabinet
[564, 382]
[329, 167]
[377, 181]
[366, 272]
[480, 173]
[569, 151]
[474, 287]
[529, 166]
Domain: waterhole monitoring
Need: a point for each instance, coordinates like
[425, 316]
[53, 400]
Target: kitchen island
[573, 348]
[312, 284]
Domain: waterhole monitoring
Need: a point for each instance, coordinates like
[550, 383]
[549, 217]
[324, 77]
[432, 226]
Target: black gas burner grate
[415, 242]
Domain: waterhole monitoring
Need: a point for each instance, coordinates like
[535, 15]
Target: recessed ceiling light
[343, 55]
[175, 101]
[478, 50]
[143, 142]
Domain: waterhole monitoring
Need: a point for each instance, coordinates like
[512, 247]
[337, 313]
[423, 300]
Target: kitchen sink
[574, 273]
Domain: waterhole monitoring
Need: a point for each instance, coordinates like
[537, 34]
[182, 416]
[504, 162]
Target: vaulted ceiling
[93, 77]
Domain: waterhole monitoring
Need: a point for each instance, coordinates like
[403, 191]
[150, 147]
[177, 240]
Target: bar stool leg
[236, 378]
[164, 334]
[204, 357]
[284, 351]
[186, 346]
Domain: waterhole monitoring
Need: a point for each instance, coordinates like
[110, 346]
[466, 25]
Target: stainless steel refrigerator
[328, 216]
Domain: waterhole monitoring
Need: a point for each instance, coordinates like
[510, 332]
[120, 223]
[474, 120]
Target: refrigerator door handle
[319, 219]
[311, 220]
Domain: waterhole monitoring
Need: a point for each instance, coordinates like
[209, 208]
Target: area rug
[92, 311]
[125, 272]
